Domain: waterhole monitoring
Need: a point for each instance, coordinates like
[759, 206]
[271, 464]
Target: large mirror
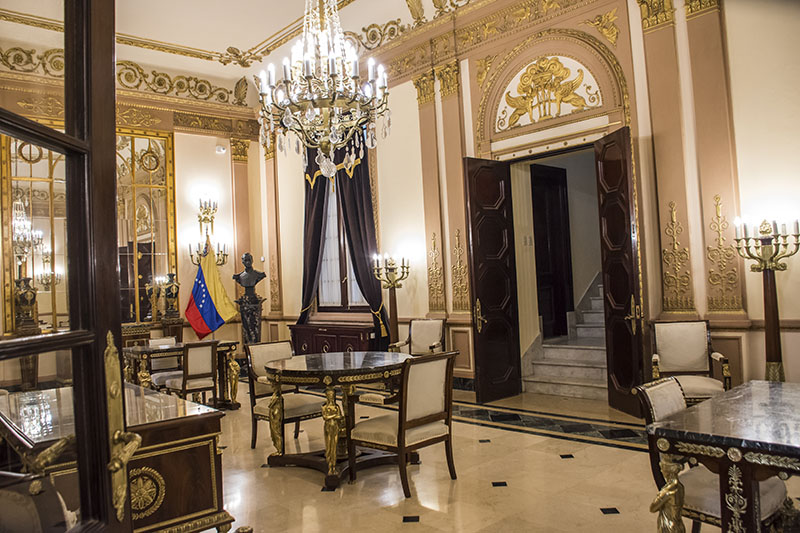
[146, 222]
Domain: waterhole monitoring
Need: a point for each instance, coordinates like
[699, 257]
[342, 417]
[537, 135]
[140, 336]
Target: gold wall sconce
[390, 274]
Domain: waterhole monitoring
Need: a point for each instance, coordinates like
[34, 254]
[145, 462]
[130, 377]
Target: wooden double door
[490, 223]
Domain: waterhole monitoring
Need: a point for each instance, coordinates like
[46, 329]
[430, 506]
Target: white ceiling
[204, 25]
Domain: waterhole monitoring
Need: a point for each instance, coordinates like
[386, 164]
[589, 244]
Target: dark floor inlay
[576, 428]
[222, 447]
[499, 484]
[504, 417]
[363, 417]
[610, 510]
[567, 456]
[328, 489]
[619, 433]
[414, 518]
[484, 441]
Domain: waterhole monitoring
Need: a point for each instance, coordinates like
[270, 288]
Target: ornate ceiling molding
[376, 35]
[231, 56]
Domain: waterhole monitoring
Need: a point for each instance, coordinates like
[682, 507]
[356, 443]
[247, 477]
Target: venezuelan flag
[209, 306]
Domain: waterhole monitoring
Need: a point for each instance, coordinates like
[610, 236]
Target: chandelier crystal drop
[322, 97]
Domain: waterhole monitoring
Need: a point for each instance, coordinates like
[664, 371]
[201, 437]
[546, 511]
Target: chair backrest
[659, 399]
[427, 390]
[199, 359]
[682, 346]
[260, 354]
[163, 341]
[160, 363]
[423, 333]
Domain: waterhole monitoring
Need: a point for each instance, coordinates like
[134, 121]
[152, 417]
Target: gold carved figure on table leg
[233, 377]
[276, 418]
[144, 374]
[669, 501]
[332, 416]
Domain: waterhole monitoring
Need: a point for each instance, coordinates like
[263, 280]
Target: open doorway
[561, 305]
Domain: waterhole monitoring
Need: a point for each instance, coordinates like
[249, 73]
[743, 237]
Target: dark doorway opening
[552, 248]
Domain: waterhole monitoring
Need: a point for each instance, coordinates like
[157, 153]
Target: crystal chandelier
[24, 237]
[322, 97]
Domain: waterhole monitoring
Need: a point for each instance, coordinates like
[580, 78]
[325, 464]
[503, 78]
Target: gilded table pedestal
[344, 370]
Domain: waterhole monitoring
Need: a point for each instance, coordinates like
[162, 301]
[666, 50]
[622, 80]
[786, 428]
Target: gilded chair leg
[296, 429]
[402, 461]
[448, 448]
[351, 460]
[254, 432]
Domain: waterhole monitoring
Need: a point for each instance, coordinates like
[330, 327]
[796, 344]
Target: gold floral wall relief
[417, 12]
[132, 76]
[425, 84]
[547, 89]
[274, 286]
[460, 280]
[723, 272]
[448, 78]
[676, 278]
[483, 69]
[436, 300]
[376, 35]
[50, 62]
[605, 25]
[239, 149]
[696, 7]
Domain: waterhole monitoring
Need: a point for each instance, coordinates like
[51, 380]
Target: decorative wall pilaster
[425, 84]
[273, 229]
[716, 159]
[241, 203]
[663, 81]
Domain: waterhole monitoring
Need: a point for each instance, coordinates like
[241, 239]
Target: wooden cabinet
[323, 338]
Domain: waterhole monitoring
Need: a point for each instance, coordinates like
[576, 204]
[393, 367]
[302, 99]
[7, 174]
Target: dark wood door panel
[621, 272]
[492, 263]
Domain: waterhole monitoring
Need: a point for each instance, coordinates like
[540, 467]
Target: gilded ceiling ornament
[425, 88]
[240, 92]
[696, 7]
[136, 117]
[132, 76]
[605, 25]
[443, 7]
[448, 78]
[676, 279]
[239, 148]
[243, 59]
[376, 35]
[543, 90]
[483, 68]
[460, 281]
[656, 13]
[436, 300]
[202, 122]
[50, 62]
[723, 274]
[417, 12]
[48, 106]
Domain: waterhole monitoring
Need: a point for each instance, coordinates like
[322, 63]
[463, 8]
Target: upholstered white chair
[296, 405]
[661, 398]
[424, 416]
[199, 371]
[683, 350]
[424, 336]
[163, 368]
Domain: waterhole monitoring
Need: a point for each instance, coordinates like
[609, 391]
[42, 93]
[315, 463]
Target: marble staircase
[575, 366]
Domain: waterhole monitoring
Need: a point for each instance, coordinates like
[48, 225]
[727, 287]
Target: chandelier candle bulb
[287, 71]
[371, 68]
[797, 227]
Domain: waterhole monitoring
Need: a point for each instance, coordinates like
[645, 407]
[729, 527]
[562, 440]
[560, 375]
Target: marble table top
[138, 350]
[337, 363]
[758, 415]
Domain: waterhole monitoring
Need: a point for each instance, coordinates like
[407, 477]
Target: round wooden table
[345, 370]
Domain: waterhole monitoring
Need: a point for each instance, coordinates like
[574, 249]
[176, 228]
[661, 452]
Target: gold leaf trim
[460, 281]
[700, 449]
[605, 25]
[425, 88]
[723, 272]
[675, 276]
[656, 13]
[448, 78]
[436, 297]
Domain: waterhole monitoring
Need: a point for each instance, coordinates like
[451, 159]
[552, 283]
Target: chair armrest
[656, 371]
[395, 346]
[716, 356]
[437, 344]
[726, 369]
[656, 359]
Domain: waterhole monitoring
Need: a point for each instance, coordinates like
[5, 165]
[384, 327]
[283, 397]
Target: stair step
[569, 352]
[593, 317]
[554, 369]
[591, 330]
[574, 388]
[597, 303]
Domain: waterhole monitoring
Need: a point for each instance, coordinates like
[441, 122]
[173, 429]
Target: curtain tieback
[377, 313]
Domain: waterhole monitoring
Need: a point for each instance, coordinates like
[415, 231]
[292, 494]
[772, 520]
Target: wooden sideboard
[179, 454]
[323, 338]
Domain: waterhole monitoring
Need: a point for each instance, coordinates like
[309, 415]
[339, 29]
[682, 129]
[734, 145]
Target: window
[337, 292]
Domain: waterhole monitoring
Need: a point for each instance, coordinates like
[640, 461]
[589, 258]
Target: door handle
[131, 443]
[479, 320]
[635, 314]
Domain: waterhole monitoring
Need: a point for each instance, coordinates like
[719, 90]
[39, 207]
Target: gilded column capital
[698, 7]
[239, 148]
[656, 13]
[424, 84]
[447, 75]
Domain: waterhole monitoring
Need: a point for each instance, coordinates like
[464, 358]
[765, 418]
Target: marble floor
[562, 465]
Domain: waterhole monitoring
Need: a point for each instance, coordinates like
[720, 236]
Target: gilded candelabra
[24, 239]
[390, 274]
[48, 278]
[153, 291]
[205, 217]
[768, 247]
